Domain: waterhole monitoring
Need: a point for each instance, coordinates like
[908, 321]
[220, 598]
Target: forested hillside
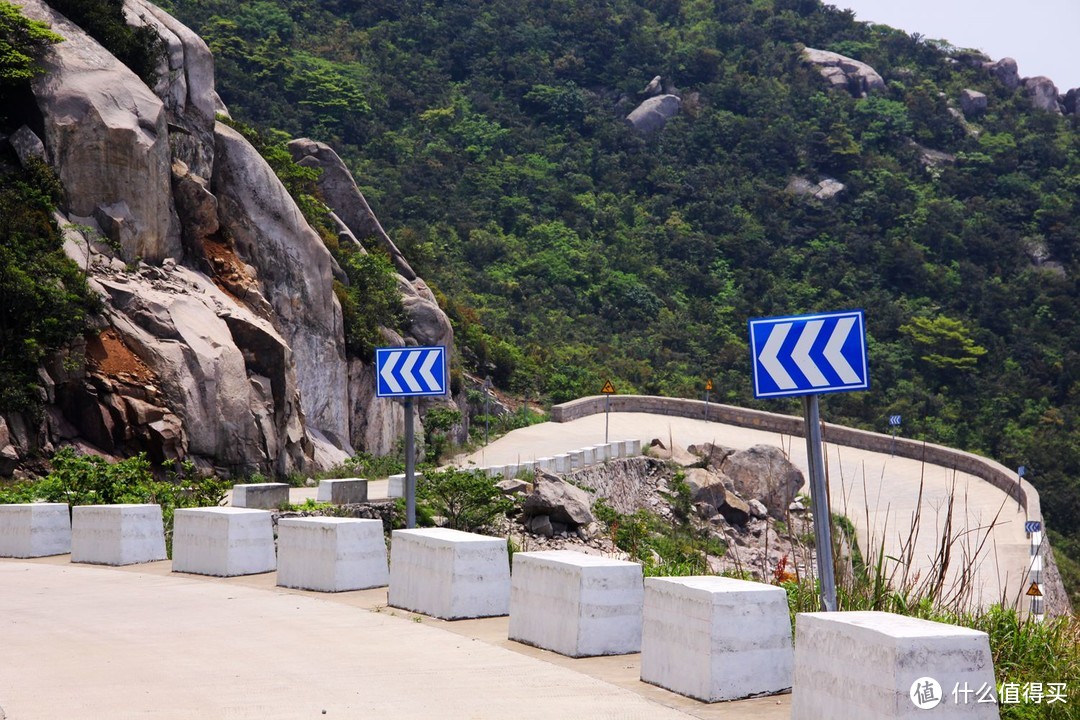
[568, 247]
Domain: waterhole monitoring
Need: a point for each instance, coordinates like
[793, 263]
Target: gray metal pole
[706, 405]
[820, 499]
[607, 416]
[410, 466]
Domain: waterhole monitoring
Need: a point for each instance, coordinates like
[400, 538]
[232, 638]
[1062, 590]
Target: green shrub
[437, 424]
[468, 500]
[22, 41]
[91, 480]
[46, 301]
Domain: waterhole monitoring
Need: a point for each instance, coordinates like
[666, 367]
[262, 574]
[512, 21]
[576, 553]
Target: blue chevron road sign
[410, 371]
[809, 354]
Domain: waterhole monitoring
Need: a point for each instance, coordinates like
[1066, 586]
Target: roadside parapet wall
[986, 469]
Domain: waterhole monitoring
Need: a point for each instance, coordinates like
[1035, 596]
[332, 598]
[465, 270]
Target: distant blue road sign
[894, 420]
[1021, 471]
[1032, 526]
[809, 354]
[410, 371]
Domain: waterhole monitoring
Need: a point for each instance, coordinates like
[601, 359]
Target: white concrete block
[510, 472]
[526, 467]
[223, 541]
[449, 574]
[604, 452]
[117, 534]
[576, 604]
[265, 496]
[545, 463]
[343, 491]
[577, 459]
[494, 471]
[35, 530]
[331, 554]
[866, 665]
[588, 456]
[396, 485]
[716, 638]
[562, 463]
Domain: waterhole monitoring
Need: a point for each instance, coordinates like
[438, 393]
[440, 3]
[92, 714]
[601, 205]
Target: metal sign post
[894, 423]
[1020, 472]
[819, 497]
[410, 466]
[608, 391]
[809, 355]
[409, 373]
[487, 407]
[708, 389]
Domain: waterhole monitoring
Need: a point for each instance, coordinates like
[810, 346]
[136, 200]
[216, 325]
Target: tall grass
[1024, 650]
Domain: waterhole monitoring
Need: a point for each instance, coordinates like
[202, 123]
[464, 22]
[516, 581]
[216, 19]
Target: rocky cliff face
[222, 339]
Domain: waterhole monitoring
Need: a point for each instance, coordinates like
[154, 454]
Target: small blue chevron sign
[809, 354]
[1032, 526]
[410, 371]
[894, 420]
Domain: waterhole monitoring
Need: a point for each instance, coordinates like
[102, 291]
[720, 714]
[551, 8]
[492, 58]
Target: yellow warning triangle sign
[708, 385]
[609, 389]
[1034, 590]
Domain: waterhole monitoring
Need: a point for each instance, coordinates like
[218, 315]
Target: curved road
[879, 493]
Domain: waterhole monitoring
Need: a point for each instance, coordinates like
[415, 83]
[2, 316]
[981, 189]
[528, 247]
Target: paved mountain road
[878, 492]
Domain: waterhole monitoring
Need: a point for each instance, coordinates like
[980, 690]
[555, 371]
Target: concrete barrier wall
[992, 472]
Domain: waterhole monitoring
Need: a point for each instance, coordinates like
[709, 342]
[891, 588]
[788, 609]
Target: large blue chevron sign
[809, 354]
[410, 371]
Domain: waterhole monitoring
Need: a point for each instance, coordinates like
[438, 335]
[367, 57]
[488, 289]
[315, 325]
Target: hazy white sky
[1040, 34]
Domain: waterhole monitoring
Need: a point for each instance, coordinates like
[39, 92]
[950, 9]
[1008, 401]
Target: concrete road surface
[879, 493]
[95, 643]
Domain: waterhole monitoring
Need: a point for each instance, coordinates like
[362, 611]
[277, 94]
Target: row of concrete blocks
[568, 462]
[314, 553]
[710, 638]
[338, 491]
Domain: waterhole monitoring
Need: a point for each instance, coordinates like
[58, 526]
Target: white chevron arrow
[801, 353]
[834, 351]
[425, 371]
[406, 372]
[387, 372]
[768, 357]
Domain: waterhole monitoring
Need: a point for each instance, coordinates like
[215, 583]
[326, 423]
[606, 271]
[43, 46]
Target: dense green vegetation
[88, 480]
[45, 301]
[489, 138]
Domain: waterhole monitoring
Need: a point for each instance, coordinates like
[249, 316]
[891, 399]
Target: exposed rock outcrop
[825, 190]
[185, 85]
[760, 473]
[655, 87]
[1071, 102]
[270, 234]
[341, 193]
[763, 473]
[1005, 71]
[972, 102]
[559, 501]
[654, 113]
[840, 71]
[106, 134]
[1043, 93]
[221, 339]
